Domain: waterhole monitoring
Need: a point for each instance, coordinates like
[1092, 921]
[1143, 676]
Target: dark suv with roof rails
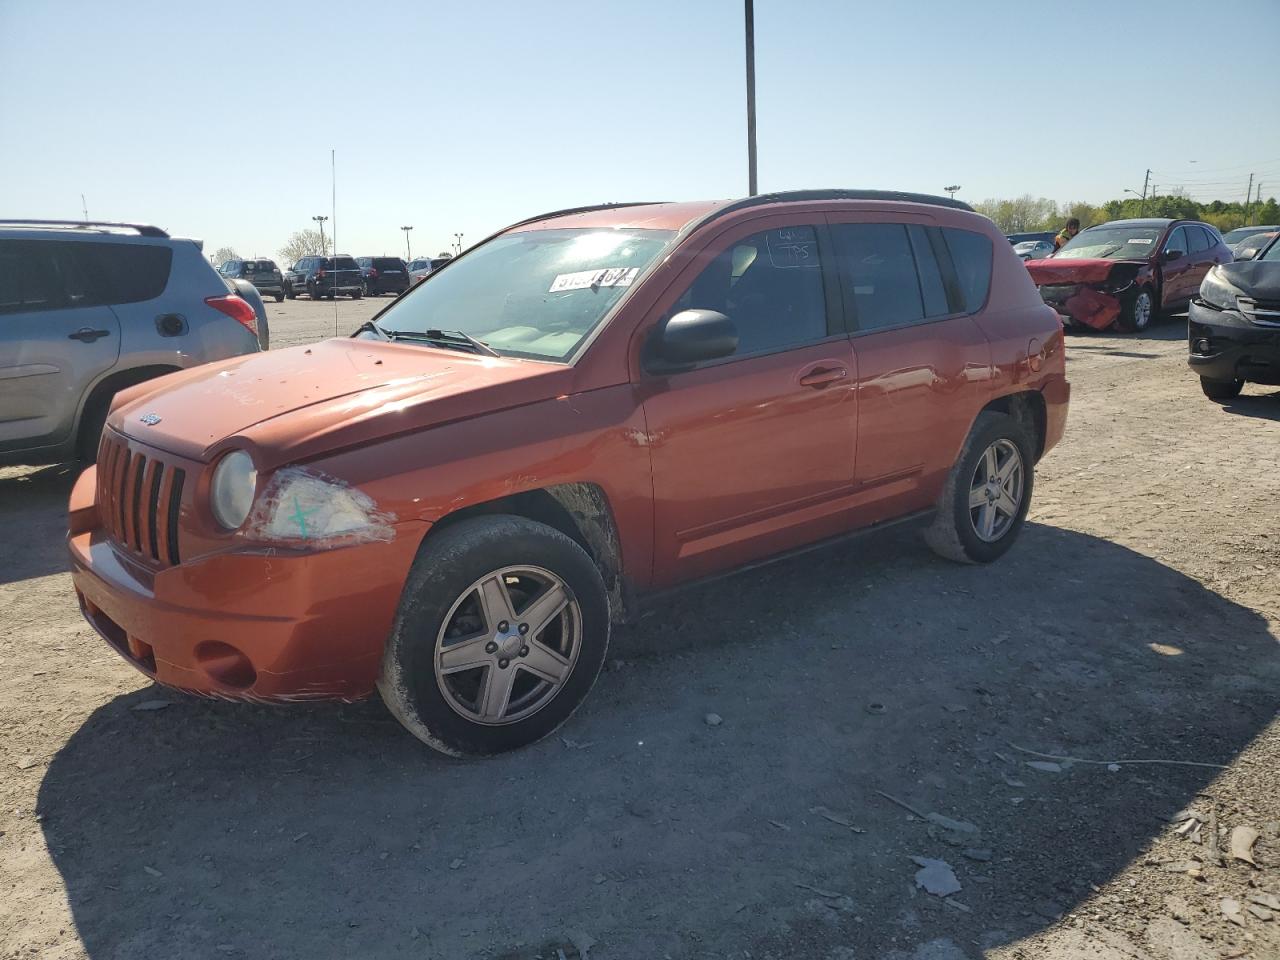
[263, 274]
[326, 277]
[383, 275]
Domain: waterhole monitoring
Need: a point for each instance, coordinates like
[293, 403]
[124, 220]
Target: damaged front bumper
[264, 623]
[1084, 304]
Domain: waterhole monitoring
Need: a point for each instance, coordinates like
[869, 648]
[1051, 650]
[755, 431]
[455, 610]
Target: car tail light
[237, 309]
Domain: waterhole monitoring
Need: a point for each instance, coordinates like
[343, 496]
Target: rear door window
[29, 277]
[770, 285]
[932, 288]
[971, 256]
[127, 272]
[879, 274]
[1198, 239]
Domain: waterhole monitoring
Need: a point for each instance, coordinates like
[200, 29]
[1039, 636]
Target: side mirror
[692, 336]
[1172, 255]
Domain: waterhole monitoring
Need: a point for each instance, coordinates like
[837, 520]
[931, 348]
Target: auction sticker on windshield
[610, 277]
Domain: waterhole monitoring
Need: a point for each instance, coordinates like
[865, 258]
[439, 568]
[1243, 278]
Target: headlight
[301, 504]
[231, 495]
[1217, 292]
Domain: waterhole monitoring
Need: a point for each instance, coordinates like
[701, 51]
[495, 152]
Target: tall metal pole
[407, 254]
[1248, 198]
[85, 207]
[751, 98]
[1145, 180]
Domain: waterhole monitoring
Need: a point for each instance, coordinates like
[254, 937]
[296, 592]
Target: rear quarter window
[127, 272]
[971, 255]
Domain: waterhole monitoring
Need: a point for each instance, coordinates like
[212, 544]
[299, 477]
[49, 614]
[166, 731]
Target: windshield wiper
[449, 339]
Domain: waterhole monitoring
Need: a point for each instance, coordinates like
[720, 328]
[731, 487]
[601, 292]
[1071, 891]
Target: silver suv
[87, 309]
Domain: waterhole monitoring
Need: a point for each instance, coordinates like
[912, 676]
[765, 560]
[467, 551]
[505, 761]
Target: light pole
[324, 250]
[751, 97]
[952, 190]
[457, 245]
[407, 254]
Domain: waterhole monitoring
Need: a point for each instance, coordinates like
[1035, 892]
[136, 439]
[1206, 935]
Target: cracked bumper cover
[250, 624]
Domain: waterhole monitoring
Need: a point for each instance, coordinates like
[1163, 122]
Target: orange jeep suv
[456, 503]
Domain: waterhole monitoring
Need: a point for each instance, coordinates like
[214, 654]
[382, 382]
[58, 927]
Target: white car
[1034, 249]
[420, 268]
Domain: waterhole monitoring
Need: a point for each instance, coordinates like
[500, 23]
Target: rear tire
[1221, 389]
[280, 297]
[1138, 311]
[533, 615]
[357, 294]
[984, 503]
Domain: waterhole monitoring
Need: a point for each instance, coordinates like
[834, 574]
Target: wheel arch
[110, 385]
[581, 511]
[1028, 408]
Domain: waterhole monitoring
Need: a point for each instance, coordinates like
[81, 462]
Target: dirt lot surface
[1137, 619]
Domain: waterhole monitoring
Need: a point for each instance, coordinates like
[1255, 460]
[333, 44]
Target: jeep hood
[304, 401]
[1074, 270]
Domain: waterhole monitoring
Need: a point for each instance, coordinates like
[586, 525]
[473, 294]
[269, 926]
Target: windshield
[533, 293]
[1111, 243]
[1027, 246]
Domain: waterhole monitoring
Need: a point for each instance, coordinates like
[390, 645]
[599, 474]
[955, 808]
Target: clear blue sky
[216, 120]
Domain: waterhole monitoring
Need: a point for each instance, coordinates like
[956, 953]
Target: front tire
[1137, 312]
[1221, 389]
[502, 629]
[280, 297]
[984, 503]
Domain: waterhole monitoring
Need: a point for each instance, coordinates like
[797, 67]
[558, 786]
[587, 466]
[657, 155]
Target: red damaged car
[1126, 272]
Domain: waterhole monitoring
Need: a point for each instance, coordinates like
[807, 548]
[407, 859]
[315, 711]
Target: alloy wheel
[995, 490]
[508, 645]
[1142, 311]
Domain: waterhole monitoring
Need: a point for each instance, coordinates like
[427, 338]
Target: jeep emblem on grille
[150, 419]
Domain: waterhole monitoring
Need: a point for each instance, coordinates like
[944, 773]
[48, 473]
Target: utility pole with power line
[407, 254]
[952, 190]
[1248, 198]
[751, 97]
[1142, 212]
[84, 207]
[324, 250]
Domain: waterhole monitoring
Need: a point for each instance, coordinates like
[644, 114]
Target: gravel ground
[1137, 619]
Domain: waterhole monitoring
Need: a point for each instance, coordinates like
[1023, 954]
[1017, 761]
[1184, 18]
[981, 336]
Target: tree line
[1027, 213]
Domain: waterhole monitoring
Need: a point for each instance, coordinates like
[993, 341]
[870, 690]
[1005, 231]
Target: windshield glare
[533, 293]
[1111, 243]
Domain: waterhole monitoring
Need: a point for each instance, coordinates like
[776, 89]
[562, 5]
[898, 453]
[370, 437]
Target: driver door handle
[822, 376]
[87, 335]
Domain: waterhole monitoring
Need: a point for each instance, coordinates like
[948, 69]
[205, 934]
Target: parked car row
[329, 277]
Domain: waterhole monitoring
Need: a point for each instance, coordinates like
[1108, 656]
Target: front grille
[1265, 313]
[139, 498]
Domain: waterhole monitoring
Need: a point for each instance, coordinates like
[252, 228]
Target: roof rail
[896, 196]
[144, 230]
[570, 211]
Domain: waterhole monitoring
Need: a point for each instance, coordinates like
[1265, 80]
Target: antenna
[333, 212]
